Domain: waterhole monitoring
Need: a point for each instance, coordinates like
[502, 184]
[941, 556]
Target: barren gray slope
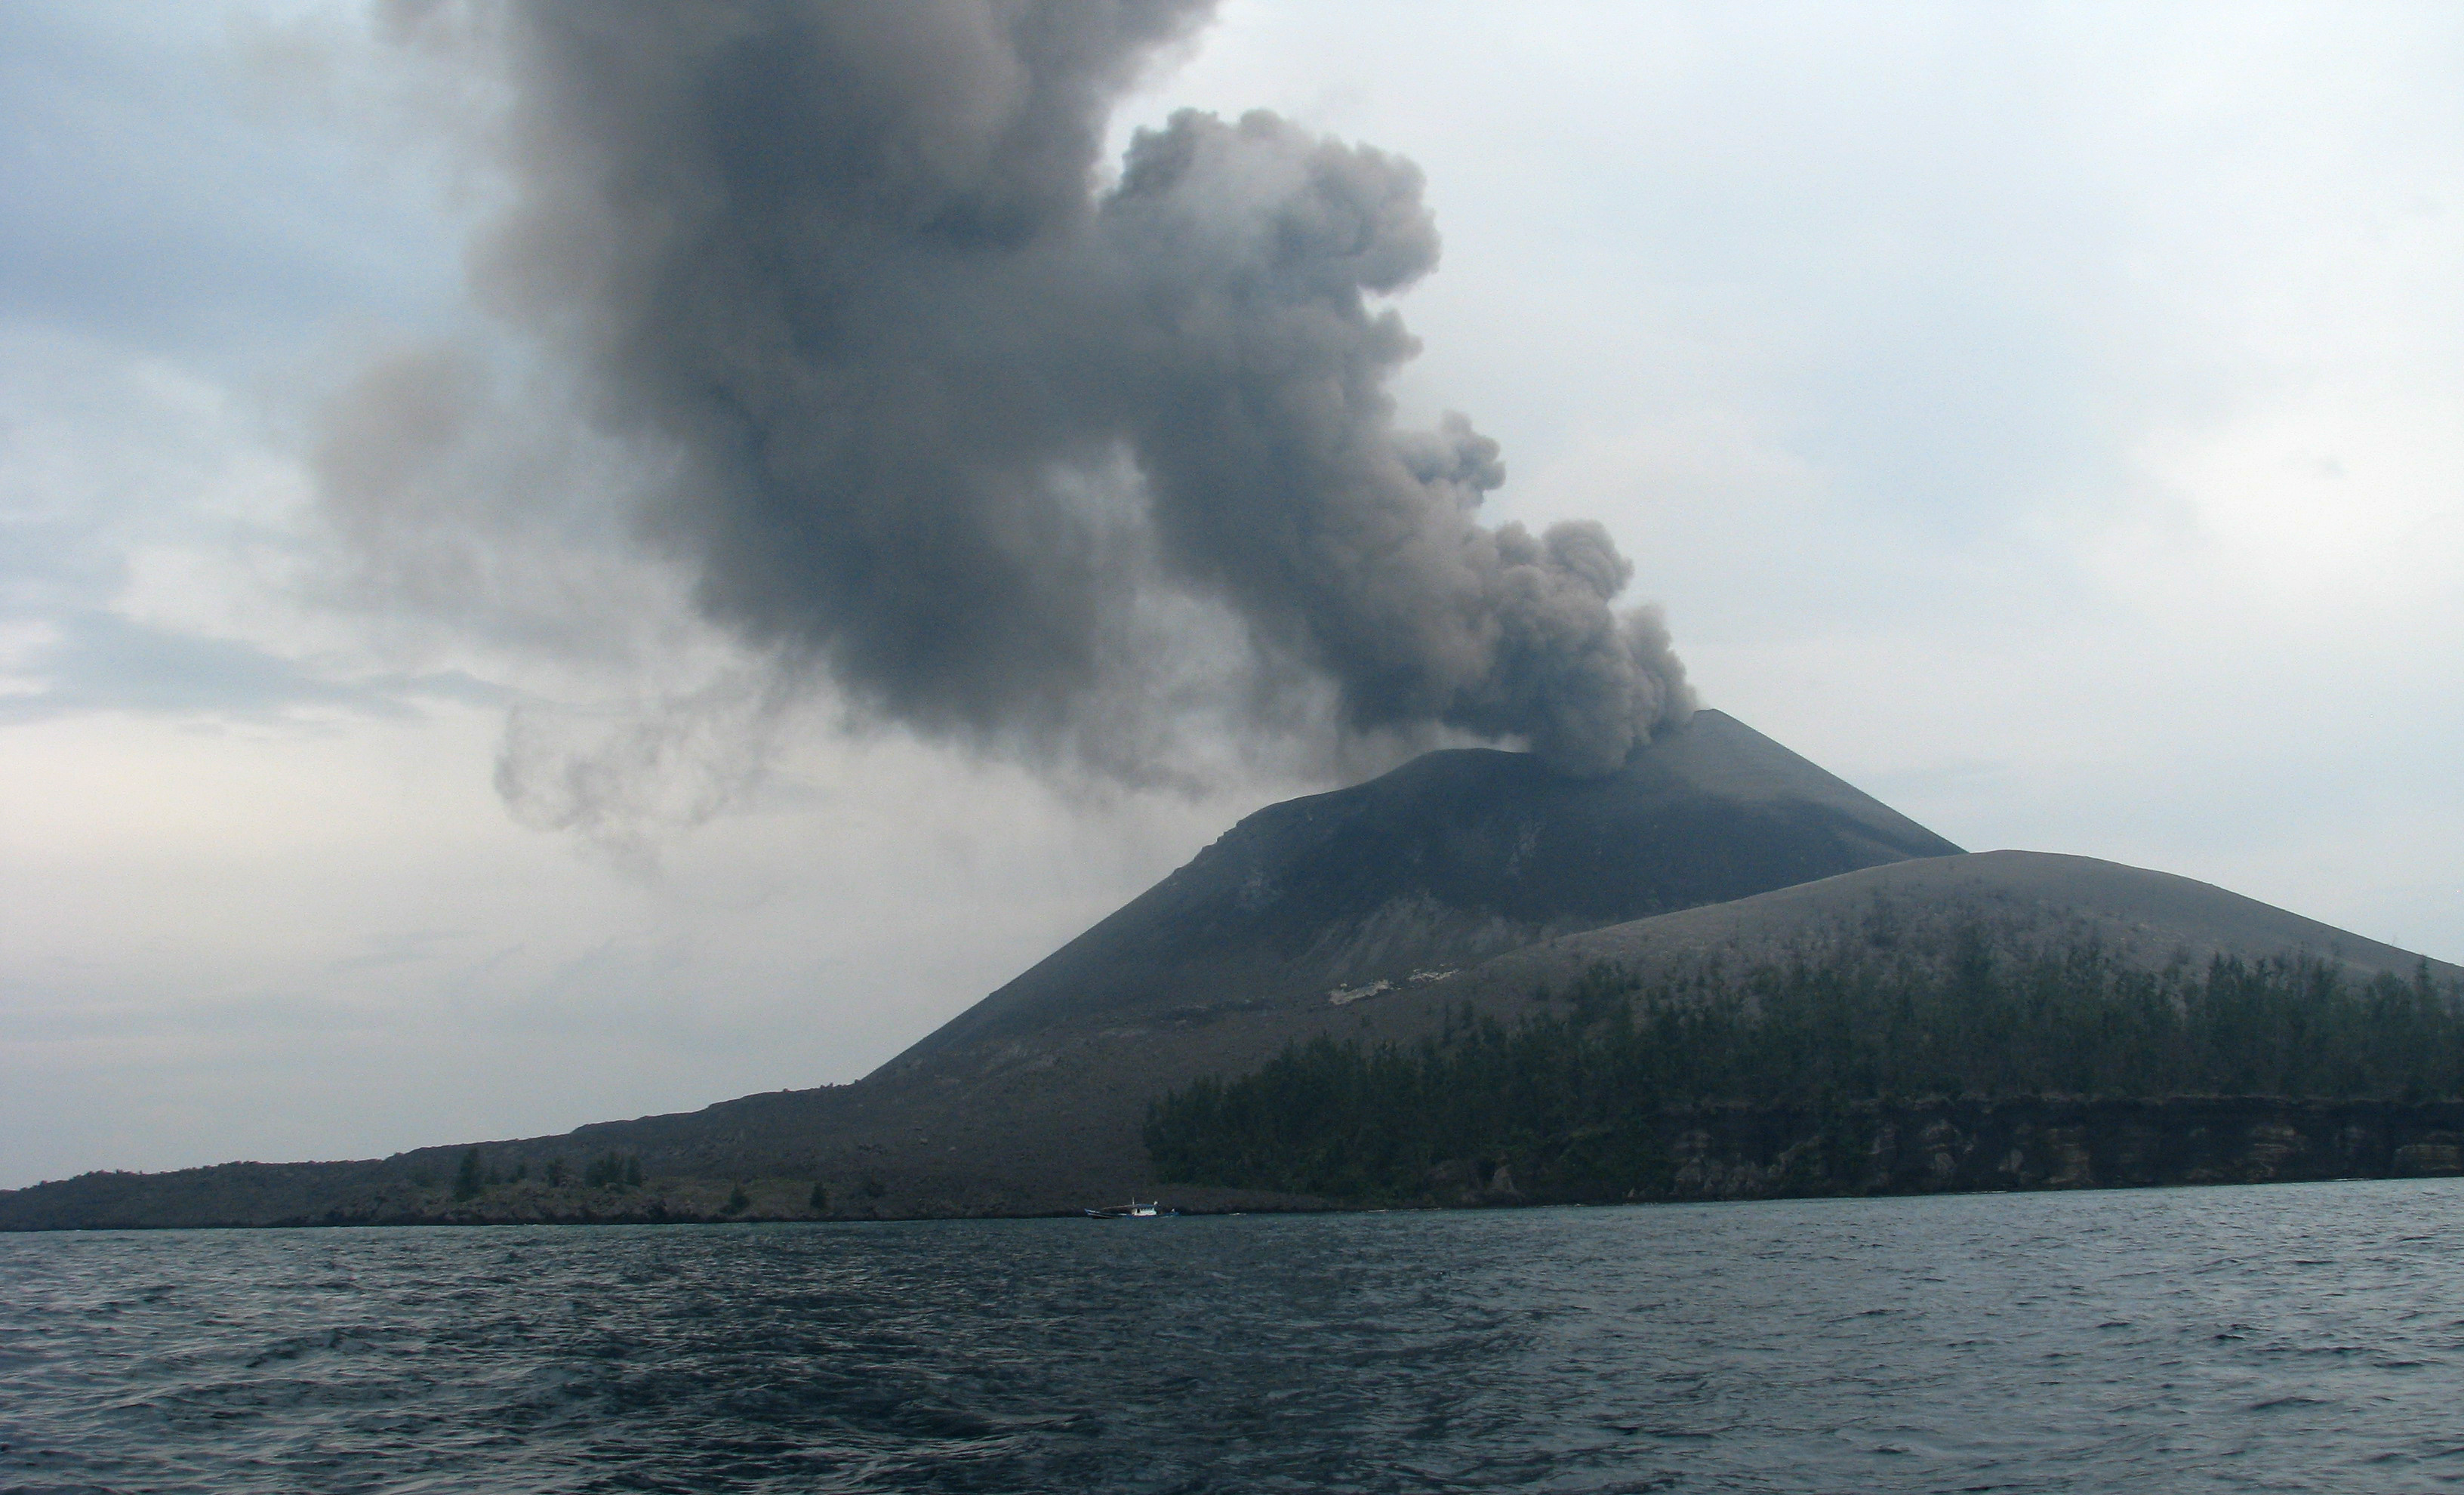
[1455, 857]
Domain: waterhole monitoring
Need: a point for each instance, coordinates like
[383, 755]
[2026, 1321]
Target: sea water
[2305, 1337]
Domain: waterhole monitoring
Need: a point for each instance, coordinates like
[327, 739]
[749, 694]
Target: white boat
[1133, 1210]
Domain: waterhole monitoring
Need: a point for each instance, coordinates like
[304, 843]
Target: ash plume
[964, 422]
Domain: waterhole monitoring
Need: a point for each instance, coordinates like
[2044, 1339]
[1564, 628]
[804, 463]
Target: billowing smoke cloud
[953, 416]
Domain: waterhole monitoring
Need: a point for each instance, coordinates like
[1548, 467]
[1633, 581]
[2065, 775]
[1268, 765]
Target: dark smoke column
[1278, 475]
[948, 414]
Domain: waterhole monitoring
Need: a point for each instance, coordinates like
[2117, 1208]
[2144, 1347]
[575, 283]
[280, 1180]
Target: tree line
[1579, 1080]
[612, 1172]
[475, 1176]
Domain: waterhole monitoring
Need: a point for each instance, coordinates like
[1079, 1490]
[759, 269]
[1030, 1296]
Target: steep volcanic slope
[1453, 858]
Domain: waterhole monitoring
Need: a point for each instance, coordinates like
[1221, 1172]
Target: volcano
[1463, 877]
[1452, 859]
[1358, 910]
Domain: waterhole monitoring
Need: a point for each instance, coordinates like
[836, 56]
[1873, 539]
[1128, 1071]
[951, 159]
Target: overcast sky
[2048, 418]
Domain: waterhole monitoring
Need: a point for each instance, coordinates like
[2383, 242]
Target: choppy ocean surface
[2305, 1337]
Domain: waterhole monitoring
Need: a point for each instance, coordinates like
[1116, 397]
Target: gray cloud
[99, 661]
[964, 428]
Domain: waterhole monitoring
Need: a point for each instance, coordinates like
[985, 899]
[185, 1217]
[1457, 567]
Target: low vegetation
[1573, 1096]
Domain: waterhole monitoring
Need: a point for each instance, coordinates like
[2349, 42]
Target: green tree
[1567, 1095]
[613, 1171]
[820, 1203]
[467, 1179]
[738, 1200]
